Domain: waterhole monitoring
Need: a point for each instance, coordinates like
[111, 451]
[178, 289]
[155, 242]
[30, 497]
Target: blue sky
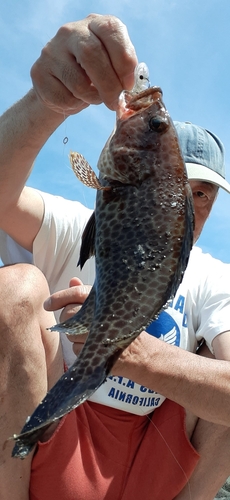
[185, 44]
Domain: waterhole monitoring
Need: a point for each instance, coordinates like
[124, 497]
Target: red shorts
[100, 453]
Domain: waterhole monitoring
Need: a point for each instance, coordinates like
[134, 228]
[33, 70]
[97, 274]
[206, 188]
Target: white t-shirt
[55, 250]
[200, 309]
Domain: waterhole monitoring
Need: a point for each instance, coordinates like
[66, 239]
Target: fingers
[75, 282]
[78, 342]
[69, 311]
[52, 79]
[73, 296]
[72, 309]
[113, 48]
[87, 62]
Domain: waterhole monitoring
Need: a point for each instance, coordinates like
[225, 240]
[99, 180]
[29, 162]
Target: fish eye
[157, 123]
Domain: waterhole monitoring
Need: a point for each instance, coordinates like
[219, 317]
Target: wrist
[136, 359]
[38, 110]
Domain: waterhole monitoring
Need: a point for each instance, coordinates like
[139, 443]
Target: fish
[141, 234]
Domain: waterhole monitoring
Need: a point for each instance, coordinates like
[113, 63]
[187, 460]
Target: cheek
[196, 232]
[201, 216]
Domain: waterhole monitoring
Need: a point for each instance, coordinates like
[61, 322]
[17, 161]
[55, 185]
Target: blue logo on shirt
[165, 328]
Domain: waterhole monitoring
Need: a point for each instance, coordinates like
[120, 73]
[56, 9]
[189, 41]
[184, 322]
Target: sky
[186, 46]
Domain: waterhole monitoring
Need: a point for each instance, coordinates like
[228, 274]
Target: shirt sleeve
[11, 252]
[57, 245]
[212, 302]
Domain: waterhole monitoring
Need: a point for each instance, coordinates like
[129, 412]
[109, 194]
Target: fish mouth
[130, 103]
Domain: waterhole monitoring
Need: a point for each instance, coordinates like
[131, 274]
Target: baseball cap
[203, 154]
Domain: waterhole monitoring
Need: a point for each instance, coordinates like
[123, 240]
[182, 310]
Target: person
[180, 449]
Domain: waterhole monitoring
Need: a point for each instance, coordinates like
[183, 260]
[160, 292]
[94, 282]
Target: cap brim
[202, 173]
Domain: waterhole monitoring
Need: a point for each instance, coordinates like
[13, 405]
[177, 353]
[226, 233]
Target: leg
[213, 444]
[30, 362]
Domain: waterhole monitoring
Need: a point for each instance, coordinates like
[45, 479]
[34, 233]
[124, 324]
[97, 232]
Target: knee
[22, 281]
[23, 289]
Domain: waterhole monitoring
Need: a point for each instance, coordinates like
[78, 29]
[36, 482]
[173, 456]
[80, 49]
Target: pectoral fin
[84, 172]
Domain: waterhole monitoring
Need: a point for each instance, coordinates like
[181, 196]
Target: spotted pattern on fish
[141, 234]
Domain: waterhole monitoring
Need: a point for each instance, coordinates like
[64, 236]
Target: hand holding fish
[70, 300]
[90, 61]
[133, 360]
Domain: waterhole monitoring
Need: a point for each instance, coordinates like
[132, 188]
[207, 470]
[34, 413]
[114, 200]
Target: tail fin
[73, 388]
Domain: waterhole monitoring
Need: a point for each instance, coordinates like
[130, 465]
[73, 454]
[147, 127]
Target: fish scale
[141, 234]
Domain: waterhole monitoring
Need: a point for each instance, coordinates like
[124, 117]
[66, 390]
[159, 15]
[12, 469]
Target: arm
[198, 383]
[68, 76]
[24, 129]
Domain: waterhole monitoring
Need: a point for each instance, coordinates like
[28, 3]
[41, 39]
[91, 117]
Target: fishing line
[174, 457]
[65, 139]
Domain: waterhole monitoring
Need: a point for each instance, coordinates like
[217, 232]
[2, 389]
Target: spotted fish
[141, 234]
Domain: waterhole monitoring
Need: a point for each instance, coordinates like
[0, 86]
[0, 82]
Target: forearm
[24, 129]
[198, 384]
[67, 78]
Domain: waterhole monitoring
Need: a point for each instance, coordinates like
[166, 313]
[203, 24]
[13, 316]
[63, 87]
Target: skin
[204, 195]
[69, 76]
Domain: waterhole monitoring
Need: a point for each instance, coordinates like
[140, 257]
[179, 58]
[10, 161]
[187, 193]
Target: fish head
[144, 135]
